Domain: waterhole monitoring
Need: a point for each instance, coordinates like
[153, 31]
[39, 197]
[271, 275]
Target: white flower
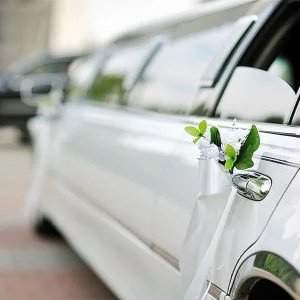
[234, 137]
[207, 136]
[203, 143]
[222, 156]
[237, 146]
[208, 151]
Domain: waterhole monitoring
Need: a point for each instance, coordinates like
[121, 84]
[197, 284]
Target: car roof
[171, 22]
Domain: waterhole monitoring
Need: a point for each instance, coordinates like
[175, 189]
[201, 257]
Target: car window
[110, 84]
[83, 71]
[283, 68]
[171, 80]
[278, 55]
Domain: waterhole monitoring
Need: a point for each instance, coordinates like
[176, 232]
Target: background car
[14, 112]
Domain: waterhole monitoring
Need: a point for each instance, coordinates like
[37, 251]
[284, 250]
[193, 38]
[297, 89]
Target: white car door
[194, 193]
[277, 158]
[94, 153]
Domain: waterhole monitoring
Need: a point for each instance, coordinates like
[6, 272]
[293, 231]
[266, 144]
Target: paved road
[32, 268]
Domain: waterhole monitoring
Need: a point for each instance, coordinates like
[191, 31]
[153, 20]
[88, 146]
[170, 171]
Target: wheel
[39, 223]
[267, 290]
[25, 138]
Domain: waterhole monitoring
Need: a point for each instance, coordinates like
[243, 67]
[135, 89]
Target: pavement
[31, 267]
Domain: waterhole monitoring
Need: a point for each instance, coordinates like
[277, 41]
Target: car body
[13, 112]
[117, 175]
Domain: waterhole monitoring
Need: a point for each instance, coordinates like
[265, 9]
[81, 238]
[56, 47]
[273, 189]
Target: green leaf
[196, 140]
[202, 126]
[230, 157]
[230, 152]
[229, 164]
[192, 131]
[245, 164]
[215, 137]
[251, 144]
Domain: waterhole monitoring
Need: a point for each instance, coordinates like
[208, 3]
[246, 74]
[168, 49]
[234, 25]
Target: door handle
[252, 185]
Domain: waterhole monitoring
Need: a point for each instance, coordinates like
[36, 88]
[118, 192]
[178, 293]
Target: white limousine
[115, 172]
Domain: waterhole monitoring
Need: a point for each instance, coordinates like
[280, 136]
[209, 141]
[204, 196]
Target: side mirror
[43, 90]
[257, 95]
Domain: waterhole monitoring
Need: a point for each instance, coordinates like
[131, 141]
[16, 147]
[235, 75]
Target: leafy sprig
[251, 144]
[231, 158]
[197, 132]
[241, 159]
[215, 137]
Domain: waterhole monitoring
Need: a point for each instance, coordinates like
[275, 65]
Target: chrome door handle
[252, 185]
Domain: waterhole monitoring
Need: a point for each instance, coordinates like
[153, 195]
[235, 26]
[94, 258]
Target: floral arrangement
[233, 148]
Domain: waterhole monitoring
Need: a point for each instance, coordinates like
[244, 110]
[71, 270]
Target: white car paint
[281, 238]
[123, 249]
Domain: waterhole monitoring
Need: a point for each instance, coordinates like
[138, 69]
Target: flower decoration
[233, 148]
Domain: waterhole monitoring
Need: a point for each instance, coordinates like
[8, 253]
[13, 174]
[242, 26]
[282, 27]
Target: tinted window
[117, 73]
[283, 68]
[171, 81]
[83, 72]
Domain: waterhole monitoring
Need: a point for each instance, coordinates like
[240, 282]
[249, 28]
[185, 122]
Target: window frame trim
[220, 59]
[285, 129]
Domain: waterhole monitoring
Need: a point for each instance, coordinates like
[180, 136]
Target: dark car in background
[13, 111]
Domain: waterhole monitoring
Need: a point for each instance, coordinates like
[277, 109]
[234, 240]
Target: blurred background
[72, 26]
[39, 41]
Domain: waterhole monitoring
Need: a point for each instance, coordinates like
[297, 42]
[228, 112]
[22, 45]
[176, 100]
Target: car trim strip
[165, 255]
[278, 161]
[215, 291]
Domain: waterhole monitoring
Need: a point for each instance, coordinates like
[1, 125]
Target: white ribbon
[206, 227]
[197, 288]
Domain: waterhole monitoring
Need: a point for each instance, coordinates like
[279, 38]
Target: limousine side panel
[115, 158]
[126, 264]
